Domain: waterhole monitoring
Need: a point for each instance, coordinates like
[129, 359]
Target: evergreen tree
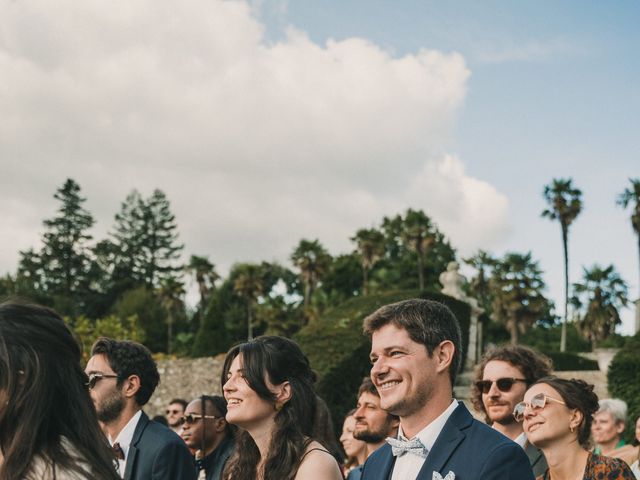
[64, 262]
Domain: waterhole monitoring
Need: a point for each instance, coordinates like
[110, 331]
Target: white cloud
[256, 145]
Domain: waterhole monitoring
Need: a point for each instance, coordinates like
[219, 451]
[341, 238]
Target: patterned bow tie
[117, 449]
[400, 446]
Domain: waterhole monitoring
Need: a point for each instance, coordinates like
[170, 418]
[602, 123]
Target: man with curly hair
[122, 378]
[501, 380]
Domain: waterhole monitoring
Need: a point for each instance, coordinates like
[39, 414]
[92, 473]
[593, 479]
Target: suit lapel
[533, 453]
[380, 464]
[133, 448]
[446, 443]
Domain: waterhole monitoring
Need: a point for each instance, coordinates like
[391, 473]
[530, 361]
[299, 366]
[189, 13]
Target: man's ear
[443, 354]
[131, 385]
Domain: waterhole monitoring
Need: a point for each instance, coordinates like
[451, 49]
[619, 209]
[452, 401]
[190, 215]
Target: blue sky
[553, 92]
[270, 121]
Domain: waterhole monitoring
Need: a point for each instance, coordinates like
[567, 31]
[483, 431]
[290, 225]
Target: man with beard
[501, 380]
[122, 378]
[373, 424]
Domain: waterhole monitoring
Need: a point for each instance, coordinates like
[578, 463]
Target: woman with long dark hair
[48, 425]
[557, 415]
[268, 385]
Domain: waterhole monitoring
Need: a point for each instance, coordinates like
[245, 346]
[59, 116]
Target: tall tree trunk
[638, 233]
[365, 281]
[563, 336]
[421, 270]
[249, 322]
[513, 330]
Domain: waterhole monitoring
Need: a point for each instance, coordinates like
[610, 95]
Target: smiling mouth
[388, 385]
[233, 402]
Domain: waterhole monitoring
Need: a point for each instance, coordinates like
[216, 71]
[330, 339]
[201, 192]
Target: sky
[268, 121]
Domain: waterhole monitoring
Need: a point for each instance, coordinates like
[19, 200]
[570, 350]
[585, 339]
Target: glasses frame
[541, 400]
[192, 418]
[485, 385]
[95, 377]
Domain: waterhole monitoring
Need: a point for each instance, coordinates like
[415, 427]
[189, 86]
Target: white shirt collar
[521, 439]
[125, 436]
[429, 434]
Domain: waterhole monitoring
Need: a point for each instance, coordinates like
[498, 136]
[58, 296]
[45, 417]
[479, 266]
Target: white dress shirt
[124, 439]
[408, 466]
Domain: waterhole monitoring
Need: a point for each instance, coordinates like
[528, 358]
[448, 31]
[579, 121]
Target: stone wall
[186, 378]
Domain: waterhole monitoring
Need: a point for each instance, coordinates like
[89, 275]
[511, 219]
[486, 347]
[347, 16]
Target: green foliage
[88, 331]
[339, 352]
[567, 361]
[343, 280]
[624, 379]
[547, 339]
[145, 305]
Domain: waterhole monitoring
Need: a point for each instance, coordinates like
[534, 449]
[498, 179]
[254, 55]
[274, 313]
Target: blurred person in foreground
[557, 416]
[205, 430]
[415, 357]
[268, 385]
[501, 379]
[355, 450]
[48, 426]
[122, 378]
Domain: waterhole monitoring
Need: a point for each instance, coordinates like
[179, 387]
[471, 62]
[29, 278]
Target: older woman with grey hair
[608, 426]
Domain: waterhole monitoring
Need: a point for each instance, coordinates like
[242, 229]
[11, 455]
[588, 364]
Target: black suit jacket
[157, 453]
[468, 448]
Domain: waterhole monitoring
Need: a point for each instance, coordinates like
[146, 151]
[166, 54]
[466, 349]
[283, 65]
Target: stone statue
[453, 281]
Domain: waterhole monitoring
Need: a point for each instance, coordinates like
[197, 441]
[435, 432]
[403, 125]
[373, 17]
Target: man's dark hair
[532, 364]
[180, 401]
[426, 321]
[130, 358]
[367, 386]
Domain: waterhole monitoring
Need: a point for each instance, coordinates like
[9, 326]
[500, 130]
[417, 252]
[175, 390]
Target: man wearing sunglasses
[174, 413]
[415, 357]
[502, 378]
[122, 378]
[206, 431]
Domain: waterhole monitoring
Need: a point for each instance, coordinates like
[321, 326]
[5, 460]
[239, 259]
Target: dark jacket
[536, 459]
[215, 462]
[468, 448]
[157, 453]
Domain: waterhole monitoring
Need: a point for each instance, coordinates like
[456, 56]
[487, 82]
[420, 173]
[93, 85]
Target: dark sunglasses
[172, 412]
[538, 402]
[503, 384]
[96, 377]
[193, 418]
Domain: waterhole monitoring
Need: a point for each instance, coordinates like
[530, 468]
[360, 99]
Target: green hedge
[565, 361]
[624, 380]
[339, 352]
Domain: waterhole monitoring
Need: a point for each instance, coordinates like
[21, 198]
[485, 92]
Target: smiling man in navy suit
[415, 354]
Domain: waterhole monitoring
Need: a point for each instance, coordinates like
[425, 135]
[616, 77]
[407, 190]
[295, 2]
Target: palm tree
[517, 290]
[629, 196]
[205, 274]
[171, 292]
[418, 235]
[565, 204]
[479, 287]
[313, 261]
[599, 299]
[371, 248]
[249, 286]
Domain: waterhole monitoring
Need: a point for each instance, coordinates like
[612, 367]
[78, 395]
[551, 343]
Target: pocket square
[448, 476]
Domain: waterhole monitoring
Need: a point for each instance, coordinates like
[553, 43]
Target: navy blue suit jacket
[468, 448]
[157, 453]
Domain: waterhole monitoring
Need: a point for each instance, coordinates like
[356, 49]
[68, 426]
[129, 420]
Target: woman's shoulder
[317, 462]
[614, 468]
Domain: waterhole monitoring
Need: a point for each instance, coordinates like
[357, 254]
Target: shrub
[624, 380]
[566, 361]
[339, 352]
